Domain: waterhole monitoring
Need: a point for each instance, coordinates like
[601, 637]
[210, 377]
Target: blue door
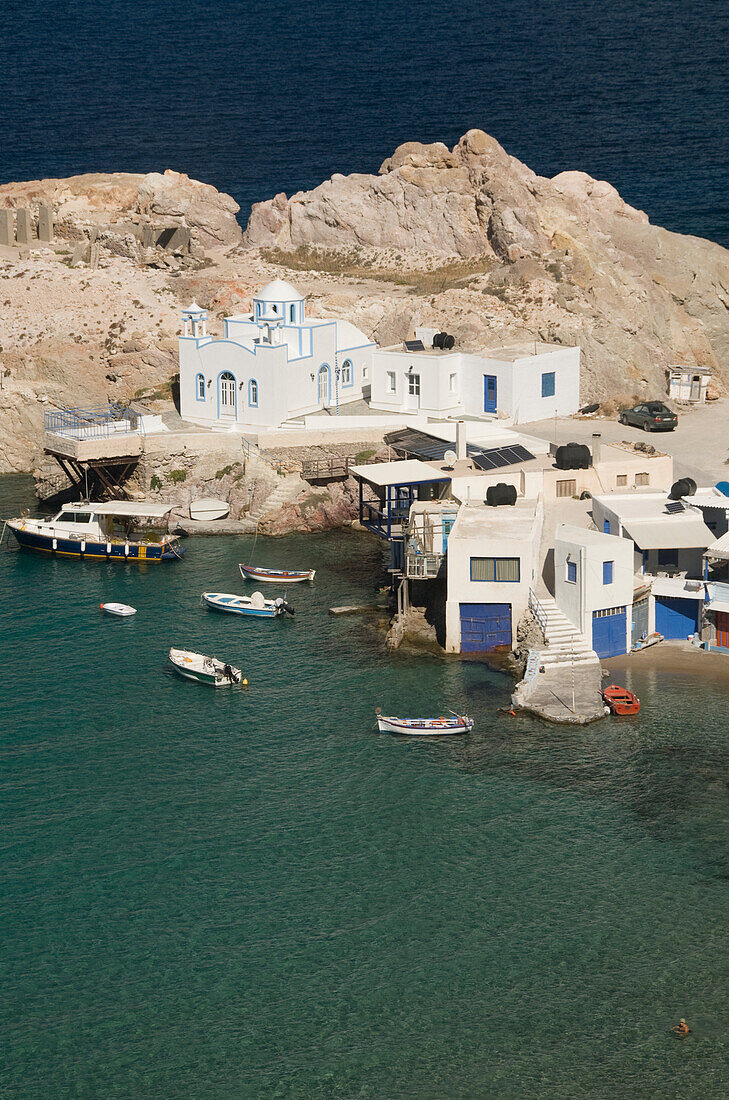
[609, 632]
[489, 393]
[485, 627]
[676, 617]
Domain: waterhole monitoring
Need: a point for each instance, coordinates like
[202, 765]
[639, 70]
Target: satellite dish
[450, 458]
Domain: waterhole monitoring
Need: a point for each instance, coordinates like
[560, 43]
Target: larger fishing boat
[109, 531]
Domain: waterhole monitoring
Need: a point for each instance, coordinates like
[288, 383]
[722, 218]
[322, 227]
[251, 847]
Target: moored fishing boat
[271, 576]
[257, 606]
[205, 670]
[620, 700]
[425, 727]
[107, 531]
[122, 610]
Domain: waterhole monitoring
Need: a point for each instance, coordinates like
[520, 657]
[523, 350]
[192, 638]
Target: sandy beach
[674, 658]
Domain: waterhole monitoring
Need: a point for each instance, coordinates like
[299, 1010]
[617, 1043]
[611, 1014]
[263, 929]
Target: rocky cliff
[564, 259]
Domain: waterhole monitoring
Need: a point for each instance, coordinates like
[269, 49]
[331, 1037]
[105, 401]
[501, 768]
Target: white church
[271, 365]
[276, 364]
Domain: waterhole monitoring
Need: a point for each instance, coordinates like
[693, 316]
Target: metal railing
[538, 610]
[96, 422]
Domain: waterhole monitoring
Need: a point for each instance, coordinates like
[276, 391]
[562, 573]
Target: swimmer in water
[681, 1029]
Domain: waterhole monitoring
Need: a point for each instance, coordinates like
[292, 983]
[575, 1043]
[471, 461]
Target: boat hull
[95, 551]
[239, 608]
[424, 727]
[276, 576]
[121, 610]
[190, 667]
[620, 701]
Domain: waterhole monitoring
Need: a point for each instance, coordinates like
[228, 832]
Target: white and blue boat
[256, 606]
[108, 531]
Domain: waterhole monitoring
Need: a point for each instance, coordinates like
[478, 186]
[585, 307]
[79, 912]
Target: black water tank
[684, 487]
[573, 456]
[438, 340]
[448, 342]
[500, 494]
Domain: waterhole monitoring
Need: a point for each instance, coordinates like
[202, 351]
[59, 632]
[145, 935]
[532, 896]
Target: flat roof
[586, 535]
[509, 523]
[409, 471]
[509, 353]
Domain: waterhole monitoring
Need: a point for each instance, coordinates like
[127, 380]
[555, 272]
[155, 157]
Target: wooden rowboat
[276, 576]
[425, 727]
[620, 700]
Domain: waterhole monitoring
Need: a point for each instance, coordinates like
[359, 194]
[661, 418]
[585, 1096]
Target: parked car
[651, 416]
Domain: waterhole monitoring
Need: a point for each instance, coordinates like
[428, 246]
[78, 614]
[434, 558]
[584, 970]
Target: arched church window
[200, 387]
[253, 393]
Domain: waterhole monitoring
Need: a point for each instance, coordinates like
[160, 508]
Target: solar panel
[414, 345]
[421, 445]
[674, 506]
[496, 457]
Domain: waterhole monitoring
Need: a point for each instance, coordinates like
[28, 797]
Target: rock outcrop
[570, 260]
[201, 207]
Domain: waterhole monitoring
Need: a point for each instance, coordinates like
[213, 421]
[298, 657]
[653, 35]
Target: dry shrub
[353, 265]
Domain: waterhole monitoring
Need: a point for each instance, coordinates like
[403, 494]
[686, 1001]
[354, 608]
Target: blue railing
[94, 422]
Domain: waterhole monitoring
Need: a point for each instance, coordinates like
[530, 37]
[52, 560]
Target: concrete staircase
[565, 643]
[287, 489]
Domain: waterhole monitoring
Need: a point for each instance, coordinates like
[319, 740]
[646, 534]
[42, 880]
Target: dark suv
[651, 416]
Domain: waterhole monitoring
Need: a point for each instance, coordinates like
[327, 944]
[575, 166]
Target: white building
[493, 558]
[523, 382]
[688, 383]
[271, 365]
[593, 586]
[669, 537]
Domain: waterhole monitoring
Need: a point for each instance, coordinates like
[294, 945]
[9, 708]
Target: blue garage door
[485, 627]
[675, 616]
[609, 632]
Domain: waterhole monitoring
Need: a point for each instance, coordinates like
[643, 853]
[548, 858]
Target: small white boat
[276, 576]
[208, 508]
[257, 606]
[206, 670]
[425, 727]
[123, 610]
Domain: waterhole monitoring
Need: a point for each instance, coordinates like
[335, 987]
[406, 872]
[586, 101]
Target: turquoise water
[253, 894]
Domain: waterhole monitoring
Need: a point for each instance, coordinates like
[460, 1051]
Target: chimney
[461, 450]
[596, 447]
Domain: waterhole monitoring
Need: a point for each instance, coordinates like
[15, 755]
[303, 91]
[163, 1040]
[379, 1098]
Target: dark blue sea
[262, 96]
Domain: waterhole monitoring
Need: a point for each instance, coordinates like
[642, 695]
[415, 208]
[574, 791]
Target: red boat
[620, 700]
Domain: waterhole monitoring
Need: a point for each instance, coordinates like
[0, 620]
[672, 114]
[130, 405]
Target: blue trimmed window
[501, 570]
[548, 384]
[607, 572]
[347, 373]
[292, 313]
[606, 526]
[200, 387]
[253, 393]
[572, 572]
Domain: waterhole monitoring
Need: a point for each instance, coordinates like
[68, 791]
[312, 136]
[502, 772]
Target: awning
[684, 532]
[408, 472]
[718, 596]
[719, 550]
[124, 508]
[678, 586]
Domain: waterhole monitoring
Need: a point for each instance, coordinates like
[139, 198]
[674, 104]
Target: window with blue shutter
[607, 572]
[548, 384]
